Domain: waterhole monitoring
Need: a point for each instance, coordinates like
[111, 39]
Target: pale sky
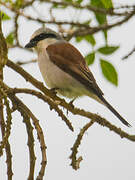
[105, 154]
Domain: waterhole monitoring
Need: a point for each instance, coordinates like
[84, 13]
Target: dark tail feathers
[114, 112]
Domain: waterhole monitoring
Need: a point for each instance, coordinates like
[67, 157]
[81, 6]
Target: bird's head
[45, 35]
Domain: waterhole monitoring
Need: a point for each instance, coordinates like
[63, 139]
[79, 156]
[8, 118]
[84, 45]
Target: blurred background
[105, 154]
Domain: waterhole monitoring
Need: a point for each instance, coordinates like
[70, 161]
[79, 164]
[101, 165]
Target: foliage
[90, 58]
[109, 71]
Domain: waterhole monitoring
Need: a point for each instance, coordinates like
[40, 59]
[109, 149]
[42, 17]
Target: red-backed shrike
[64, 68]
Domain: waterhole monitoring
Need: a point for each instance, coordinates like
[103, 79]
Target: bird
[64, 68]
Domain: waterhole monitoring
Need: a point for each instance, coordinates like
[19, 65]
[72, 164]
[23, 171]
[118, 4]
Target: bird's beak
[31, 44]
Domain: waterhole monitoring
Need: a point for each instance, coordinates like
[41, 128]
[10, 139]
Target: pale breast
[54, 77]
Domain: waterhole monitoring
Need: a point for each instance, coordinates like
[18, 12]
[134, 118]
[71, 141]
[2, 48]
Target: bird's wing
[70, 60]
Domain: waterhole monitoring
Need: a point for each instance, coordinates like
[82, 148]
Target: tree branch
[23, 107]
[95, 9]
[63, 103]
[129, 54]
[29, 128]
[52, 104]
[76, 162]
[84, 29]
[5, 132]
[92, 30]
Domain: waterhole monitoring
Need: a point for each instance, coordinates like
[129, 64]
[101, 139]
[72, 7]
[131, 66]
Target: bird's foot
[71, 102]
[54, 90]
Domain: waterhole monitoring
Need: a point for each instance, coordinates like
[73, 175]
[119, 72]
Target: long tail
[114, 111]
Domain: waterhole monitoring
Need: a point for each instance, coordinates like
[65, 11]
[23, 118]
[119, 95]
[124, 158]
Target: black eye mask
[33, 42]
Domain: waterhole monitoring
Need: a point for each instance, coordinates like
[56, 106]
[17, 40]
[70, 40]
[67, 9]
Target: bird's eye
[41, 35]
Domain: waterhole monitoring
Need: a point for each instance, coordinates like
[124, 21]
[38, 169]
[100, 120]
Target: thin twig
[9, 161]
[8, 122]
[95, 9]
[76, 162]
[124, 7]
[129, 54]
[46, 99]
[16, 29]
[110, 11]
[43, 21]
[26, 62]
[29, 128]
[93, 30]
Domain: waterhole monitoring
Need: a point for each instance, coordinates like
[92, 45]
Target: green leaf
[109, 72]
[79, 1]
[107, 3]
[55, 5]
[105, 36]
[5, 17]
[100, 17]
[10, 38]
[18, 4]
[97, 3]
[90, 39]
[90, 58]
[107, 50]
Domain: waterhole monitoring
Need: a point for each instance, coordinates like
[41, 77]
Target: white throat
[42, 45]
